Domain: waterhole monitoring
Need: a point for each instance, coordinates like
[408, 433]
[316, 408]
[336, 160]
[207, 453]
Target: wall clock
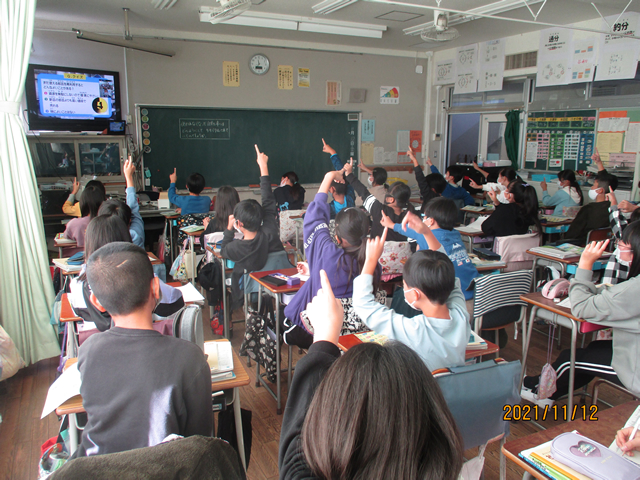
[259, 64]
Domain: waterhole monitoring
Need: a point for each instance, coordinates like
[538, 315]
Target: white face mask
[370, 181]
[560, 184]
[411, 304]
[620, 260]
[593, 194]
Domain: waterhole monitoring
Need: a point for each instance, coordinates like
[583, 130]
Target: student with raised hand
[70, 206]
[260, 228]
[290, 194]
[138, 386]
[194, 202]
[395, 206]
[129, 212]
[342, 261]
[617, 268]
[90, 201]
[515, 217]
[569, 193]
[453, 176]
[341, 198]
[377, 181]
[338, 165]
[440, 335]
[226, 200]
[403, 431]
[427, 191]
[505, 177]
[614, 306]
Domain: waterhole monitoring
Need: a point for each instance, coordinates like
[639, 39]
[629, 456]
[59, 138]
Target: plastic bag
[10, 361]
[547, 383]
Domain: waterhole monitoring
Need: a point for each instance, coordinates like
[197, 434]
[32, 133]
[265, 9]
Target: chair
[476, 395]
[496, 293]
[599, 234]
[513, 250]
[596, 387]
[291, 229]
[275, 261]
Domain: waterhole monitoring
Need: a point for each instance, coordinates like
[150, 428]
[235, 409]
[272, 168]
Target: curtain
[26, 290]
[512, 136]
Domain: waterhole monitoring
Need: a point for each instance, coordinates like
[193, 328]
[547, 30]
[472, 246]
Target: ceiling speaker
[357, 95]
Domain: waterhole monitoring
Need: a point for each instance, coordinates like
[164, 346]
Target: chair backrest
[288, 225]
[187, 325]
[513, 250]
[599, 234]
[394, 256]
[476, 395]
[500, 290]
[275, 261]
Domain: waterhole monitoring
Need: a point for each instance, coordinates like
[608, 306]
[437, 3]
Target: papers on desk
[476, 342]
[565, 250]
[66, 386]
[303, 278]
[630, 423]
[476, 208]
[192, 228]
[84, 326]
[555, 218]
[565, 303]
[475, 226]
[190, 294]
[64, 241]
[479, 262]
[372, 337]
[62, 264]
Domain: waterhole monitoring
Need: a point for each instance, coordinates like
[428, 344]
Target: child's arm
[70, 207]
[419, 226]
[174, 198]
[367, 199]
[338, 165]
[137, 224]
[617, 221]
[269, 205]
[316, 221]
[423, 185]
[385, 221]
[197, 401]
[484, 173]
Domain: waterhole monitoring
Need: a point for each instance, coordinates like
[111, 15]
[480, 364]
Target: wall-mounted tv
[72, 99]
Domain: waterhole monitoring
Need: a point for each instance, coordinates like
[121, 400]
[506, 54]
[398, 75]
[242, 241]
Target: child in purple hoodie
[342, 262]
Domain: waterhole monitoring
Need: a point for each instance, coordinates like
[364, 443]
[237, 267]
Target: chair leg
[503, 460]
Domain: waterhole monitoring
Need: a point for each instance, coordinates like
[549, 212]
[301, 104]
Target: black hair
[527, 198]
[90, 200]
[379, 413]
[635, 215]
[456, 172]
[509, 173]
[607, 181]
[432, 273]
[379, 175]
[401, 193]
[195, 183]
[226, 200]
[249, 212]
[296, 189]
[120, 276]
[340, 188]
[102, 230]
[116, 207]
[98, 184]
[352, 225]
[443, 211]
[631, 235]
[570, 176]
[437, 182]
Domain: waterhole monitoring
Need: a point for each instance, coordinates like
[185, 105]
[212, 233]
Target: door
[492, 145]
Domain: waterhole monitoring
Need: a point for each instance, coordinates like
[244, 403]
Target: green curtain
[26, 291]
[512, 136]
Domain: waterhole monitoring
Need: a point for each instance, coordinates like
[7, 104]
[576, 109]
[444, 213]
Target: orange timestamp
[528, 413]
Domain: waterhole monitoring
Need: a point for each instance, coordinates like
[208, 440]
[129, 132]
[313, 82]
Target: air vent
[608, 91]
[520, 60]
[352, 117]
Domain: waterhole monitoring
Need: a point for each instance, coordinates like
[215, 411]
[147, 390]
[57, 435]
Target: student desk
[561, 316]
[74, 406]
[276, 293]
[225, 311]
[477, 211]
[61, 245]
[489, 267]
[567, 265]
[602, 431]
[191, 236]
[471, 236]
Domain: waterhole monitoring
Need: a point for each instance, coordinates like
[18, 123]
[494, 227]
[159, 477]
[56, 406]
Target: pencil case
[592, 459]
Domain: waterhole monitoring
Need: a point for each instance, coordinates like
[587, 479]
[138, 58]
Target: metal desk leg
[237, 413]
[73, 433]
[193, 261]
[534, 266]
[278, 375]
[225, 313]
[526, 340]
[572, 367]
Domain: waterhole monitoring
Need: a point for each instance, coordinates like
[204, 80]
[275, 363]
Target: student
[453, 176]
[395, 206]
[375, 412]
[430, 186]
[515, 217]
[505, 177]
[72, 208]
[338, 165]
[138, 386]
[260, 229]
[342, 261]
[129, 212]
[90, 201]
[440, 335]
[569, 193]
[440, 216]
[377, 181]
[192, 203]
[617, 269]
[341, 198]
[612, 306]
[226, 200]
[594, 215]
[290, 194]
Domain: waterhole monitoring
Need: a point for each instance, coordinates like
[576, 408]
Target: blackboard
[219, 143]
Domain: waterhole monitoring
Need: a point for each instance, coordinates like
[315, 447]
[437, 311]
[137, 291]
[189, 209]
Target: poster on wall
[389, 95]
[584, 53]
[466, 66]
[491, 55]
[619, 54]
[304, 77]
[285, 77]
[368, 130]
[231, 74]
[553, 57]
[445, 72]
[334, 93]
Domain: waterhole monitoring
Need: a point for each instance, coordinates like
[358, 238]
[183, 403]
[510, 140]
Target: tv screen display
[72, 99]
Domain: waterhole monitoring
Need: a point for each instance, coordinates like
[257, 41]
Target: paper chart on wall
[368, 130]
[366, 153]
[389, 95]
[491, 74]
[334, 93]
[532, 152]
[622, 159]
[378, 155]
[583, 60]
[632, 138]
[466, 69]
[285, 77]
[609, 142]
[553, 57]
[402, 140]
[304, 77]
[231, 74]
[445, 72]
[618, 54]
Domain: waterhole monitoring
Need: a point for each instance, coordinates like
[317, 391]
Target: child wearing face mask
[439, 335]
[569, 193]
[515, 217]
[617, 269]
[453, 175]
[290, 194]
[377, 181]
[595, 214]
[505, 177]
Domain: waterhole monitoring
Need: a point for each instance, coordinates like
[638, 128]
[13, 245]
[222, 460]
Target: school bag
[260, 338]
[187, 324]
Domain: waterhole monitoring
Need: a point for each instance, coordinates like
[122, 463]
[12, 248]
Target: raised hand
[492, 195]
[627, 207]
[76, 186]
[348, 167]
[375, 247]
[413, 221]
[303, 268]
[591, 253]
[473, 184]
[174, 176]
[597, 160]
[327, 148]
[206, 221]
[261, 158]
[386, 221]
[543, 185]
[230, 223]
[129, 169]
[612, 198]
[325, 313]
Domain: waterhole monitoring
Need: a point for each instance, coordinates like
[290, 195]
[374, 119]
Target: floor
[22, 398]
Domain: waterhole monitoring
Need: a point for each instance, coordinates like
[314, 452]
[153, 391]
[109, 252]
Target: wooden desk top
[257, 276]
[345, 342]
[602, 431]
[489, 268]
[197, 233]
[473, 234]
[154, 260]
[538, 300]
[66, 243]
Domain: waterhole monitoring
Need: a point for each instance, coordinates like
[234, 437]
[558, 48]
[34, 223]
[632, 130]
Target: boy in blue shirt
[341, 198]
[192, 203]
[453, 175]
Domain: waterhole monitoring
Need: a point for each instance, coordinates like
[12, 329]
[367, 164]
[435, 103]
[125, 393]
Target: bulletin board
[560, 140]
[618, 137]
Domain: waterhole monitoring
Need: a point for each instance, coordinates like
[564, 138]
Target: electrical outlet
[147, 182]
[129, 119]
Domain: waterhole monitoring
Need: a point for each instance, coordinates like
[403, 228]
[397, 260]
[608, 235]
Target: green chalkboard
[219, 143]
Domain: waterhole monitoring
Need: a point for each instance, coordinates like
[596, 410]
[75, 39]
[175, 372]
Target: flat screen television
[72, 99]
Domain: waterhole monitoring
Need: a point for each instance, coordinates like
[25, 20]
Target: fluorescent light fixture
[330, 6]
[302, 24]
[490, 9]
[93, 37]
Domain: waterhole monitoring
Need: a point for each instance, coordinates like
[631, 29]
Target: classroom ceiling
[182, 21]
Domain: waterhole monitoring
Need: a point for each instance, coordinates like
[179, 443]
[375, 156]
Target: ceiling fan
[440, 31]
[229, 9]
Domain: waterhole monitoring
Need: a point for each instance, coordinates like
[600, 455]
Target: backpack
[260, 338]
[187, 324]
[210, 278]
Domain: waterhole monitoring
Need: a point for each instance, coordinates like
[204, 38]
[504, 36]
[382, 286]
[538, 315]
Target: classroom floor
[22, 432]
